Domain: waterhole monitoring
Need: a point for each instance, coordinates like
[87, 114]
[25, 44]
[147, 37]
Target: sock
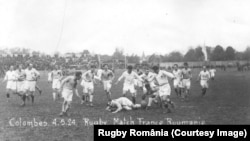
[24, 98]
[32, 98]
[8, 95]
[133, 99]
[176, 91]
[83, 98]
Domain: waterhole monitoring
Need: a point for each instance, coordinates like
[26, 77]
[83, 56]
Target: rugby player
[67, 89]
[164, 89]
[55, 78]
[30, 81]
[204, 77]
[122, 103]
[186, 80]
[107, 77]
[129, 82]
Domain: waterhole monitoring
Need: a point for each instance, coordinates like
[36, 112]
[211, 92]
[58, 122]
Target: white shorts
[204, 83]
[186, 83]
[30, 86]
[138, 83]
[56, 84]
[178, 83]
[165, 90]
[12, 85]
[107, 85]
[67, 95]
[88, 87]
[128, 87]
[20, 86]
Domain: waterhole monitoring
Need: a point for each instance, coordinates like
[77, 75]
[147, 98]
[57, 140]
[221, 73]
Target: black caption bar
[210, 132]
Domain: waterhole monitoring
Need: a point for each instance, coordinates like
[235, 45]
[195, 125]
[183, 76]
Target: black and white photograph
[68, 65]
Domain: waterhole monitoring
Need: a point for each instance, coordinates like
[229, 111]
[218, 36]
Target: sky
[136, 26]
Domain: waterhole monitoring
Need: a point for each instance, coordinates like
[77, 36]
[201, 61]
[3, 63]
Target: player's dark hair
[78, 74]
[130, 67]
[155, 68]
[92, 66]
[185, 64]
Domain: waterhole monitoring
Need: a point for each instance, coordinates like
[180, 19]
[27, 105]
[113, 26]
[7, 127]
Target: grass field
[227, 102]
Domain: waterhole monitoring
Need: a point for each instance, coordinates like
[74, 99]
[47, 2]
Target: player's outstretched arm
[119, 107]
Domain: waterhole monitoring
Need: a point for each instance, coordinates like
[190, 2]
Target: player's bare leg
[63, 108]
[108, 93]
[67, 107]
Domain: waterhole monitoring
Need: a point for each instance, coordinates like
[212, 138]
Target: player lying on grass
[68, 88]
[121, 103]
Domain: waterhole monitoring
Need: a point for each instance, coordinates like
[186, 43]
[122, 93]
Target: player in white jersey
[139, 83]
[30, 81]
[67, 89]
[21, 83]
[11, 78]
[186, 80]
[204, 76]
[122, 103]
[55, 78]
[164, 88]
[149, 87]
[212, 72]
[88, 80]
[107, 76]
[129, 82]
[177, 80]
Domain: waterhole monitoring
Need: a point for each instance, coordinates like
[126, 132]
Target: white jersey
[177, 74]
[123, 101]
[32, 74]
[88, 76]
[98, 74]
[10, 76]
[204, 75]
[162, 77]
[56, 75]
[129, 79]
[212, 72]
[20, 75]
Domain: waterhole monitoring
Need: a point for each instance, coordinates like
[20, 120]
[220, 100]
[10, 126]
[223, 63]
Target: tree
[133, 59]
[154, 59]
[175, 56]
[246, 54]
[230, 53]
[218, 54]
[118, 54]
[199, 56]
[190, 55]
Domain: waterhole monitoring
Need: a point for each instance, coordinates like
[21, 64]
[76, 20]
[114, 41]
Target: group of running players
[154, 83]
